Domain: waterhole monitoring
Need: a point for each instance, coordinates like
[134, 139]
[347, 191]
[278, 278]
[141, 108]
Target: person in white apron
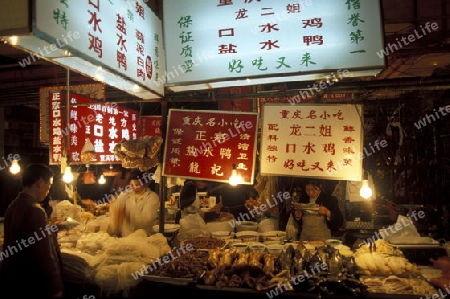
[319, 216]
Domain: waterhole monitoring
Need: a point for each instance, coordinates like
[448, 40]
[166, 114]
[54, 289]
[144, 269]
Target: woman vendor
[318, 216]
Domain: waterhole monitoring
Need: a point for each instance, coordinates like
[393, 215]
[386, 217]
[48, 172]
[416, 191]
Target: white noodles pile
[111, 261]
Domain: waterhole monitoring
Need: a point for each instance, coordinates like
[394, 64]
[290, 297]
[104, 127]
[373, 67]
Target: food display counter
[250, 263]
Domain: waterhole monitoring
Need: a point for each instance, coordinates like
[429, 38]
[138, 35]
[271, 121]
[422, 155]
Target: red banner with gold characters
[206, 144]
[94, 127]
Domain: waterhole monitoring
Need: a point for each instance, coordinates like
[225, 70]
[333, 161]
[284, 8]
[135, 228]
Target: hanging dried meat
[139, 153]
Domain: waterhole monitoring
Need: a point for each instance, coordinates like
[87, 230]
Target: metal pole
[162, 181]
[67, 141]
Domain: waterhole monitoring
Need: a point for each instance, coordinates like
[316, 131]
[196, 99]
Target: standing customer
[135, 208]
[319, 216]
[31, 267]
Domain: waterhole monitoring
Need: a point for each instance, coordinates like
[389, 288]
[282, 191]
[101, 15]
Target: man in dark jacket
[30, 263]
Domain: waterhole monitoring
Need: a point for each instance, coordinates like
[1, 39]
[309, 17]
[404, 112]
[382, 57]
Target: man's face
[137, 186]
[44, 188]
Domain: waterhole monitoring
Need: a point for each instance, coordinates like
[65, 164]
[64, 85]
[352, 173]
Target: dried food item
[398, 285]
[135, 148]
[256, 270]
[139, 153]
[377, 264]
[191, 264]
[381, 246]
[205, 242]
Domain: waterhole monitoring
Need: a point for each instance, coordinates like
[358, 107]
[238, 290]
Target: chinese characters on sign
[312, 141]
[56, 128]
[150, 125]
[90, 122]
[245, 39]
[93, 91]
[122, 36]
[205, 144]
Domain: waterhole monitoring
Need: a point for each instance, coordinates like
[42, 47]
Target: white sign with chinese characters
[323, 141]
[122, 36]
[231, 39]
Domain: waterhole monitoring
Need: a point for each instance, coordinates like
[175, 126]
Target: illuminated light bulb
[365, 190]
[101, 180]
[15, 167]
[68, 175]
[235, 178]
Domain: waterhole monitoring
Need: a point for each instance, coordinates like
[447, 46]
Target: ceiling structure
[420, 65]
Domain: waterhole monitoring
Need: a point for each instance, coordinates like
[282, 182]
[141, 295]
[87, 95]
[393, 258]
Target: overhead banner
[94, 128]
[122, 36]
[206, 41]
[206, 144]
[320, 141]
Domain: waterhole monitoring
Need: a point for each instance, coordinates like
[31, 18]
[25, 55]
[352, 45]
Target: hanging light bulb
[15, 167]
[365, 190]
[235, 178]
[101, 180]
[68, 175]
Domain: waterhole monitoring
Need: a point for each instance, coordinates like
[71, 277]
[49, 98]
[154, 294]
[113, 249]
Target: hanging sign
[205, 144]
[94, 128]
[323, 141]
[122, 36]
[94, 91]
[208, 41]
[150, 125]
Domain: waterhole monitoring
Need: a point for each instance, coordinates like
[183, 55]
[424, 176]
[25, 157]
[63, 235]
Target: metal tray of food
[229, 289]
[423, 242]
[169, 280]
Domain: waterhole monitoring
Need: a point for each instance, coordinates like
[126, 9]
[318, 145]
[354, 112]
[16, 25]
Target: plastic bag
[192, 225]
[291, 228]
[88, 151]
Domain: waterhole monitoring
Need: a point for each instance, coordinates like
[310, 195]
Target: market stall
[247, 262]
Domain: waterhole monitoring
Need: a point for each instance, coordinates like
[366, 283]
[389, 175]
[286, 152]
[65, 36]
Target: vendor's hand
[324, 211]
[251, 204]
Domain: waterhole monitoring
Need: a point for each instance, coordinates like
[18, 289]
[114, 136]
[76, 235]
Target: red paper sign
[101, 125]
[150, 125]
[205, 144]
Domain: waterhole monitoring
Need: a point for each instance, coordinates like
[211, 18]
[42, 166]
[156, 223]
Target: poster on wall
[94, 128]
[320, 141]
[206, 144]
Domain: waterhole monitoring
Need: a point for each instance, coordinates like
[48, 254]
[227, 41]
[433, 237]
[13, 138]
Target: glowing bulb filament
[365, 190]
[15, 167]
